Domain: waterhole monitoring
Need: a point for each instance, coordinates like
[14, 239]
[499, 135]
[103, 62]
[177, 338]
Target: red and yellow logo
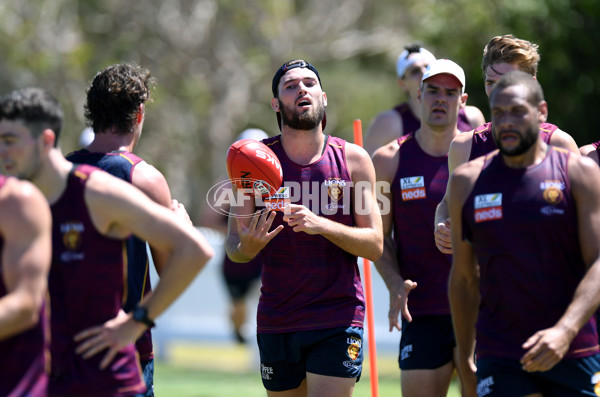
[553, 195]
[335, 188]
[596, 383]
[552, 191]
[354, 346]
[353, 351]
[72, 234]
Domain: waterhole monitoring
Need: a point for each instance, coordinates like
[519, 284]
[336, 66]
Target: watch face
[140, 314]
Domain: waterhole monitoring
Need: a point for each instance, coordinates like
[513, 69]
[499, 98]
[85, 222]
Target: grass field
[226, 370]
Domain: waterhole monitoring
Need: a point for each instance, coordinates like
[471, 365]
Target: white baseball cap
[407, 59]
[445, 66]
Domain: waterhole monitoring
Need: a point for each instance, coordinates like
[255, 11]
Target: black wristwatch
[140, 315]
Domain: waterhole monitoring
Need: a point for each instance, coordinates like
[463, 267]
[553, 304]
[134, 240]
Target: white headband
[404, 62]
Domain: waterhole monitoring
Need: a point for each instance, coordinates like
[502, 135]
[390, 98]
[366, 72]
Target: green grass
[174, 380]
[225, 370]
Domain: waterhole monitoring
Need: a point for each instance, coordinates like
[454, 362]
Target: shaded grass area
[227, 370]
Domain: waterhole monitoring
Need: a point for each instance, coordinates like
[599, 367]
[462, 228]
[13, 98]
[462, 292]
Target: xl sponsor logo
[488, 207]
[280, 201]
[413, 188]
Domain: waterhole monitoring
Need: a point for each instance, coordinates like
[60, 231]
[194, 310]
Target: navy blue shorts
[286, 358]
[427, 342]
[504, 377]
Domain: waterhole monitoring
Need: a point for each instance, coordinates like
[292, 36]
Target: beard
[528, 139]
[302, 121]
[33, 167]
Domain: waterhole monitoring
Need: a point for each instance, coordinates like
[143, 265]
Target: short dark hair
[36, 107]
[297, 63]
[414, 47]
[114, 97]
[535, 93]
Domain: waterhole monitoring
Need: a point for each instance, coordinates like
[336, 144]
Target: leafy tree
[214, 60]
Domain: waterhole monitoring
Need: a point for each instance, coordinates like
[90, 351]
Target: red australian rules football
[254, 168]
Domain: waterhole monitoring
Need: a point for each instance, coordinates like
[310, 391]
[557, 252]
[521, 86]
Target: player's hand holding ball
[255, 170]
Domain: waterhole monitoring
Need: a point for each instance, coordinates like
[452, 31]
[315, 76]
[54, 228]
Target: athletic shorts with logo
[285, 358]
[499, 377]
[426, 343]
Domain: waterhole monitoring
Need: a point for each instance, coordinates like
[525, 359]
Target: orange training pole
[368, 295]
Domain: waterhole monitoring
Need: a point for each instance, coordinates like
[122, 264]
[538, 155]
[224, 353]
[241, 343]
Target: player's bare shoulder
[563, 140]
[472, 167]
[102, 184]
[19, 197]
[590, 151]
[151, 181]
[359, 163]
[460, 149]
[464, 176]
[109, 198]
[463, 139]
[12, 191]
[385, 127]
[582, 167]
[584, 178]
[385, 160]
[474, 116]
[594, 156]
[585, 150]
[356, 156]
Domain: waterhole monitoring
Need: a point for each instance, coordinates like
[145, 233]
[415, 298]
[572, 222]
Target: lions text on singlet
[86, 283]
[483, 141]
[23, 357]
[522, 224]
[307, 281]
[410, 122]
[121, 164]
[418, 186]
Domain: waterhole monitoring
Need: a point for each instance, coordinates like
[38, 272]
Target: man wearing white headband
[405, 118]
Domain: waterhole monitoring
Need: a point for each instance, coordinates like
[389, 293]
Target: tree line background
[214, 61]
